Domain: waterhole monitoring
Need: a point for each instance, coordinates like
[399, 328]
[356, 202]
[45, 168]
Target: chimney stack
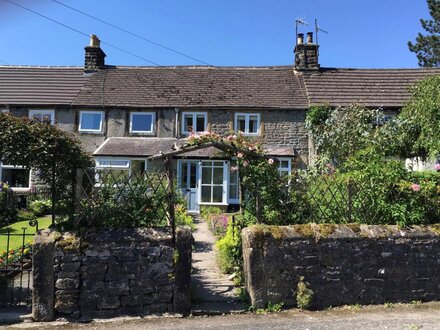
[94, 56]
[306, 55]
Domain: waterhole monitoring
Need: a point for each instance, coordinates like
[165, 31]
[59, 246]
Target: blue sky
[362, 34]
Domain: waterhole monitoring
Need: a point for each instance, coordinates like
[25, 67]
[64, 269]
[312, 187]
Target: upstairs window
[44, 116]
[91, 121]
[247, 123]
[142, 122]
[195, 122]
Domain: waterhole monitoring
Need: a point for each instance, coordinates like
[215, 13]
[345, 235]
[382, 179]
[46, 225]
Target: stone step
[218, 308]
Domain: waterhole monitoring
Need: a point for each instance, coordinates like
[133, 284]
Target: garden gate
[16, 265]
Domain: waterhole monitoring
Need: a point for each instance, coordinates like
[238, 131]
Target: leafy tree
[341, 132]
[427, 47]
[51, 151]
[419, 129]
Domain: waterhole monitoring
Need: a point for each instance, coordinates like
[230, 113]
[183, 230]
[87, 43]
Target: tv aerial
[317, 30]
[298, 22]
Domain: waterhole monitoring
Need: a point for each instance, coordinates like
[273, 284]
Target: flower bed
[16, 258]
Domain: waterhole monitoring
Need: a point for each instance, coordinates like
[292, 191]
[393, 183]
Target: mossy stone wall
[344, 264]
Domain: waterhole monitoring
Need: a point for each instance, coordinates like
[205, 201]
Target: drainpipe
[177, 122]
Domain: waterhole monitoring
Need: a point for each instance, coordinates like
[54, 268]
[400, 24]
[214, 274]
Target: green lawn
[16, 238]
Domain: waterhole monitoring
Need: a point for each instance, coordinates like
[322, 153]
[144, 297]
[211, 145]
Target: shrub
[8, 209]
[207, 211]
[40, 207]
[304, 294]
[182, 218]
[24, 215]
[229, 250]
[123, 201]
[219, 224]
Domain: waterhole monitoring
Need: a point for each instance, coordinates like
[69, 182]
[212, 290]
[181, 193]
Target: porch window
[45, 116]
[117, 167]
[194, 122]
[91, 121]
[213, 182]
[233, 182]
[247, 123]
[142, 122]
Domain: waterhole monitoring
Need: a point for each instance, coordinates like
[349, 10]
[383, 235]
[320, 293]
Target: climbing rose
[245, 163]
[270, 161]
[415, 187]
[437, 167]
[234, 168]
[240, 155]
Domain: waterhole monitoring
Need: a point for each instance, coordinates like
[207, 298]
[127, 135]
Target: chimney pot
[306, 54]
[94, 56]
[94, 41]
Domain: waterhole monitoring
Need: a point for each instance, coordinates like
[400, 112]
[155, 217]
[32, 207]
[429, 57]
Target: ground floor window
[15, 176]
[121, 166]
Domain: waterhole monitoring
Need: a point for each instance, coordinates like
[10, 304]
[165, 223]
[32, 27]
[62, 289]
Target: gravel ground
[396, 316]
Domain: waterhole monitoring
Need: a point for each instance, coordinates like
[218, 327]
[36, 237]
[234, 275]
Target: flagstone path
[213, 292]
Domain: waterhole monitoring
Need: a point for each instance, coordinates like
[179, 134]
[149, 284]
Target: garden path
[213, 292]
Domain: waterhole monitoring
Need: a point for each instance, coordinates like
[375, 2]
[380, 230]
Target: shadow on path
[214, 292]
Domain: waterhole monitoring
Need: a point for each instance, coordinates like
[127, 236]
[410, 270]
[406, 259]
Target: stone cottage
[122, 115]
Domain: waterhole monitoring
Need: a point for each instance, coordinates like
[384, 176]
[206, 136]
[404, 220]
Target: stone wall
[111, 272]
[343, 264]
[279, 127]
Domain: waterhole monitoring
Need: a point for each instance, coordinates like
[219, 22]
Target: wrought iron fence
[16, 265]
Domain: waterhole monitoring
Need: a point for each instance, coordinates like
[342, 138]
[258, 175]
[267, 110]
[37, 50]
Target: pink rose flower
[270, 161]
[234, 168]
[240, 155]
[245, 163]
[437, 167]
[415, 187]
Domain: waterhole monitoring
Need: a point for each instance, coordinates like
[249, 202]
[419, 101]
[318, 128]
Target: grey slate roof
[368, 87]
[146, 146]
[209, 87]
[135, 147]
[40, 85]
[264, 87]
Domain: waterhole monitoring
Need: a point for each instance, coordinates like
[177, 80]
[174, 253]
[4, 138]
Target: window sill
[140, 134]
[218, 204]
[90, 133]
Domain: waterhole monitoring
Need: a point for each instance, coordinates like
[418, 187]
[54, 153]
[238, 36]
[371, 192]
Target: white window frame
[43, 112]
[287, 169]
[91, 130]
[99, 165]
[224, 183]
[16, 167]
[153, 122]
[233, 200]
[194, 118]
[246, 119]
